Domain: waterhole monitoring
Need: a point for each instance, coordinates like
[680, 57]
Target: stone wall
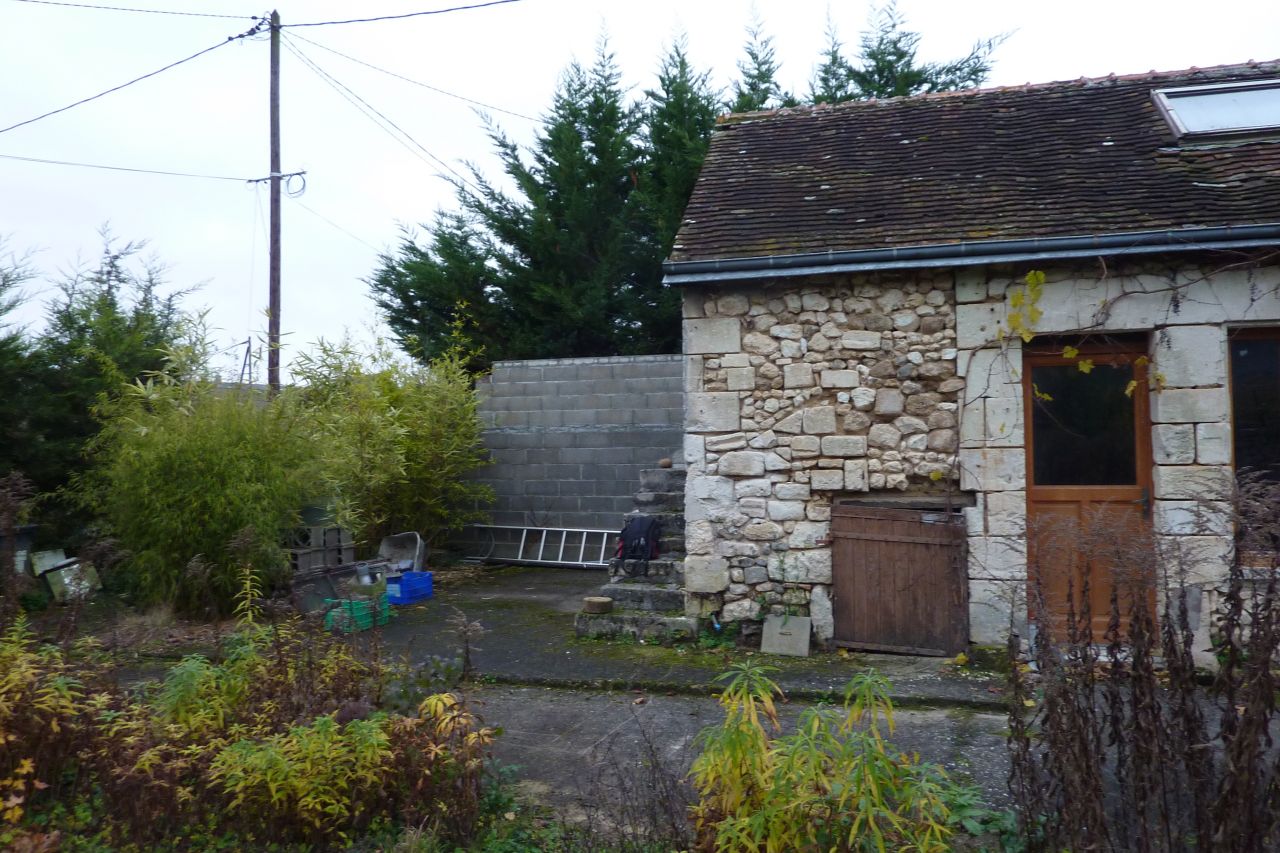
[569, 437]
[799, 393]
[1188, 312]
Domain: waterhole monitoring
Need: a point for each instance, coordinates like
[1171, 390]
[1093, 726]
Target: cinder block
[558, 439]
[595, 371]
[664, 399]
[560, 371]
[511, 419]
[563, 471]
[545, 420]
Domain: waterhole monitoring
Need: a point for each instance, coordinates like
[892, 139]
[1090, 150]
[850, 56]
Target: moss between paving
[528, 617]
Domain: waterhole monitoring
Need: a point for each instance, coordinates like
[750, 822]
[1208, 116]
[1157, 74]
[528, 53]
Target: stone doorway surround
[1188, 313]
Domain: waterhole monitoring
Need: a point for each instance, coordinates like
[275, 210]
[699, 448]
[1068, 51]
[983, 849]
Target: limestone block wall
[569, 437]
[798, 393]
[1188, 312]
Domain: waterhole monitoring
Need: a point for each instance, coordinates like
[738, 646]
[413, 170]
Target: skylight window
[1222, 110]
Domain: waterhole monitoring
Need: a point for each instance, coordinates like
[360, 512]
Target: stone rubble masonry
[569, 437]
[799, 393]
[1190, 408]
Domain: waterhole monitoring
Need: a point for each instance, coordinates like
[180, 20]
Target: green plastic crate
[348, 615]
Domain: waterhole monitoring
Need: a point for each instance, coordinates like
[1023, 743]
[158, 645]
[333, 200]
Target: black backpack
[639, 538]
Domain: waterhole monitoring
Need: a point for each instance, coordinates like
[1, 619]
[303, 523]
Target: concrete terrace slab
[527, 614]
[567, 743]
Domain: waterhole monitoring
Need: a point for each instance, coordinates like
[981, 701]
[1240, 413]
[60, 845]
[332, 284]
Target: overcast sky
[210, 115]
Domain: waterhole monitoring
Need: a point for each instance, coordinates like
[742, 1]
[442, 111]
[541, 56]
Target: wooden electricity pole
[273, 306]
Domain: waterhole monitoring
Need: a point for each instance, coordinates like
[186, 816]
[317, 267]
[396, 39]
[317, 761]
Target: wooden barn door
[898, 580]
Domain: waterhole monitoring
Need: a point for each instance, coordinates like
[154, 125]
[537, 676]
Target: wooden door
[898, 580]
[1088, 480]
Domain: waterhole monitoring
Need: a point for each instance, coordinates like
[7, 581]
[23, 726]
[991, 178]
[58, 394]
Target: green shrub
[286, 741]
[399, 439]
[836, 783]
[316, 781]
[195, 481]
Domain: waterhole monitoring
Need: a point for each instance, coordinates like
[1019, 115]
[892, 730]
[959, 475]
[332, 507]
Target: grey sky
[210, 115]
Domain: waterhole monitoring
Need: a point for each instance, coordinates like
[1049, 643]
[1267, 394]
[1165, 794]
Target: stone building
[1033, 304]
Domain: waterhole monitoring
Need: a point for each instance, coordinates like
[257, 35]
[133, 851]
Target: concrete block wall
[569, 437]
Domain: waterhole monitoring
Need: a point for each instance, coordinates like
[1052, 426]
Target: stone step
[659, 503]
[636, 625]
[672, 579]
[651, 571]
[645, 596]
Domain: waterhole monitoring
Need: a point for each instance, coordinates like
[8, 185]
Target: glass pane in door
[1082, 426]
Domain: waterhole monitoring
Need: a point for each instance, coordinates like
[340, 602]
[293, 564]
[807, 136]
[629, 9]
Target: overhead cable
[318, 215]
[387, 125]
[251, 31]
[416, 82]
[125, 168]
[144, 11]
[401, 17]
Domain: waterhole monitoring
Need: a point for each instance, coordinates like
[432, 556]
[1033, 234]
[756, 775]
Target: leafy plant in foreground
[836, 783]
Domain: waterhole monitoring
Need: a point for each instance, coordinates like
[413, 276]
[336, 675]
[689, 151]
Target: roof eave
[972, 253]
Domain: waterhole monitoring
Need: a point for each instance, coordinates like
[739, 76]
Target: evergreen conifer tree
[887, 65]
[569, 263]
[678, 116]
[832, 83]
[758, 87]
[13, 363]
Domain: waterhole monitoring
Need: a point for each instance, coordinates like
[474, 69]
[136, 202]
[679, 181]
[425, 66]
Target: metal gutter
[972, 253]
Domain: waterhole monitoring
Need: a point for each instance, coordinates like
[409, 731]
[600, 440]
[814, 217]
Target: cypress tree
[832, 83]
[569, 262]
[758, 88]
[678, 116]
[887, 65]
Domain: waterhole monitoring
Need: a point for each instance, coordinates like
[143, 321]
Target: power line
[318, 215]
[145, 11]
[370, 111]
[125, 169]
[417, 82]
[351, 98]
[401, 17]
[252, 31]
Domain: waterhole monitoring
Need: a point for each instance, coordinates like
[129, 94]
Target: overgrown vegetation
[1116, 744]
[108, 325]
[195, 480]
[290, 738]
[398, 439]
[835, 783]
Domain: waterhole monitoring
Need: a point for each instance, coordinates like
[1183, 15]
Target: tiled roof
[1085, 157]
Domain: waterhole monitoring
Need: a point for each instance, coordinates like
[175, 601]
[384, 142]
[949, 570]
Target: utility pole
[273, 306]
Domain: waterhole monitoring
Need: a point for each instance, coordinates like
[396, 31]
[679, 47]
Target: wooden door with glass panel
[1088, 479]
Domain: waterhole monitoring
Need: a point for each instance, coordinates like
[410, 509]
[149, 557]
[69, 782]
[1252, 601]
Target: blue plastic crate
[408, 587]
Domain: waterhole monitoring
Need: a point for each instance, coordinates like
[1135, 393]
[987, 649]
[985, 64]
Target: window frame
[1247, 333]
[1166, 100]
[1244, 333]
